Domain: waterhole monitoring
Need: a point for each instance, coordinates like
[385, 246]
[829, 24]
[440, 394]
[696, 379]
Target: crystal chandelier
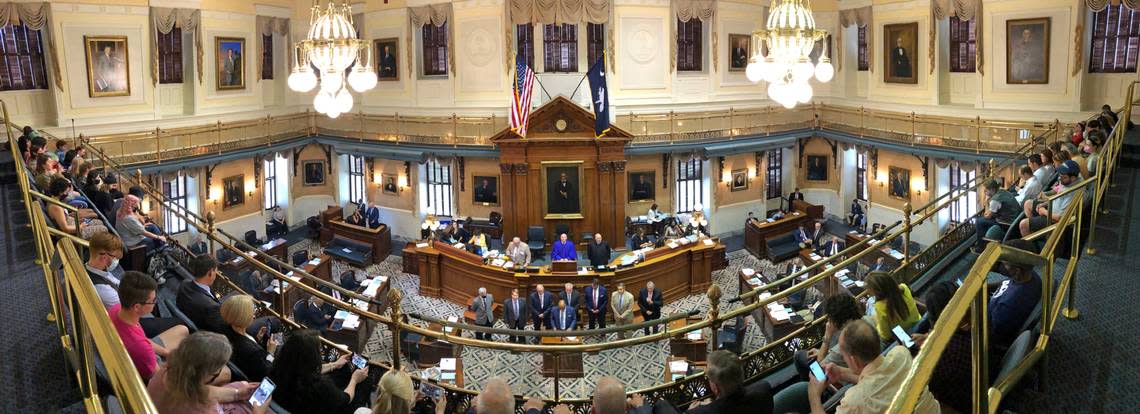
[331, 47]
[790, 36]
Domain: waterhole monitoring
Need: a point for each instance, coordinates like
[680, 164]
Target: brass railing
[967, 134]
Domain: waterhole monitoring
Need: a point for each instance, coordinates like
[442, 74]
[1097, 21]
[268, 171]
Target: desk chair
[300, 257]
[252, 240]
[536, 240]
[563, 228]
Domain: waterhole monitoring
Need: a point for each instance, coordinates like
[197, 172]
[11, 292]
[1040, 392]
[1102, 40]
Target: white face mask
[114, 263]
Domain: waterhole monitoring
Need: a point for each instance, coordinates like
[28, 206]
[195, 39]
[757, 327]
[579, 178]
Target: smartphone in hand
[817, 371]
[903, 337]
[358, 361]
[262, 393]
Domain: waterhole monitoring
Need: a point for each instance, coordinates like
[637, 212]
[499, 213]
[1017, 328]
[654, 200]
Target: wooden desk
[456, 275]
[870, 258]
[323, 270]
[432, 350]
[569, 365]
[693, 350]
[757, 233]
[775, 329]
[812, 210]
[278, 248]
[356, 338]
[379, 238]
[332, 212]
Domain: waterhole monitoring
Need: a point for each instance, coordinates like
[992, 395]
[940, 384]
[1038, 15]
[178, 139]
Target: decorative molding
[619, 166]
[604, 166]
[505, 168]
[520, 169]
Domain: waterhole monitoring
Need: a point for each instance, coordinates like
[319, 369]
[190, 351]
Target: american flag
[520, 99]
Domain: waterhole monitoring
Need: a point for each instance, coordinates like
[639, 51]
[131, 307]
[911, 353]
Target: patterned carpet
[522, 370]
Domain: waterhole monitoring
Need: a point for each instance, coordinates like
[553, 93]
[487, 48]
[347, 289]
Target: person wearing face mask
[103, 266]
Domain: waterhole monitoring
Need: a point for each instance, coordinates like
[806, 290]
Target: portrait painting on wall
[314, 172]
[486, 190]
[229, 62]
[233, 191]
[741, 45]
[739, 180]
[562, 187]
[387, 64]
[388, 184]
[817, 168]
[641, 187]
[899, 185]
[900, 41]
[108, 70]
[1027, 51]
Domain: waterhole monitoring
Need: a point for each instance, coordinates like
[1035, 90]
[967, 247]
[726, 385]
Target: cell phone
[817, 370]
[958, 282]
[262, 393]
[902, 336]
[430, 390]
[359, 361]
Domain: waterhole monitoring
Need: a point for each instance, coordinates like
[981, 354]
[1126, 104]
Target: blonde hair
[395, 395]
[237, 310]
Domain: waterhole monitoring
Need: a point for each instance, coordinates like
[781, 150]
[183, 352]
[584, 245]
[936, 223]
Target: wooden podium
[564, 266]
[567, 365]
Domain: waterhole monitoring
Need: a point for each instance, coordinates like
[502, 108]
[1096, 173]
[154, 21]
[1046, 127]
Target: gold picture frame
[488, 197]
[387, 65]
[898, 183]
[740, 51]
[739, 180]
[642, 186]
[571, 206]
[233, 191]
[389, 183]
[900, 53]
[229, 63]
[1030, 64]
[108, 66]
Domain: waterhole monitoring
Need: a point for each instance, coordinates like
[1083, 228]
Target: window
[23, 64]
[775, 173]
[524, 43]
[356, 179]
[560, 47]
[595, 42]
[435, 49]
[170, 56]
[175, 193]
[266, 56]
[1115, 40]
[270, 189]
[438, 188]
[966, 206]
[689, 43]
[864, 60]
[861, 176]
[963, 45]
[690, 188]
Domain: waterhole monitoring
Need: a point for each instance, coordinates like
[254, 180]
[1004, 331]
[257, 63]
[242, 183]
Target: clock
[560, 125]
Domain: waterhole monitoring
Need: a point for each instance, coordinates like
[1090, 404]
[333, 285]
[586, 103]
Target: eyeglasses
[118, 256]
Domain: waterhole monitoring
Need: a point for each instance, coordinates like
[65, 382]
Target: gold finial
[394, 298]
[906, 210]
[210, 216]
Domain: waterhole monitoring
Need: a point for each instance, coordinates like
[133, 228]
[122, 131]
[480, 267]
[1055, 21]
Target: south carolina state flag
[597, 76]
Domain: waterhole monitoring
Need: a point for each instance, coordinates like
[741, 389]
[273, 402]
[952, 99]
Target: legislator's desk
[812, 210]
[757, 232]
[355, 338]
[321, 269]
[692, 346]
[431, 350]
[774, 328]
[277, 248]
[892, 262]
[330, 213]
[379, 238]
[568, 365]
[456, 274]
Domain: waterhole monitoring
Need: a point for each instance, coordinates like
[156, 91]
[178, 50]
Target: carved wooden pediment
[561, 119]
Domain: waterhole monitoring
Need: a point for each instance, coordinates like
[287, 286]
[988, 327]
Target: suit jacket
[249, 356]
[202, 308]
[535, 308]
[563, 319]
[310, 316]
[603, 300]
[802, 235]
[574, 301]
[755, 398]
[511, 317]
[856, 208]
[484, 309]
[651, 307]
[827, 247]
[563, 251]
[795, 196]
[372, 215]
[599, 253]
[816, 235]
[622, 305]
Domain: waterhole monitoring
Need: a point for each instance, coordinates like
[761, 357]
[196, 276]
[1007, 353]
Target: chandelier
[790, 36]
[330, 49]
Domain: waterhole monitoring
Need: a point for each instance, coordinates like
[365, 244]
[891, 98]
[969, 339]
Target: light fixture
[790, 36]
[332, 46]
[431, 224]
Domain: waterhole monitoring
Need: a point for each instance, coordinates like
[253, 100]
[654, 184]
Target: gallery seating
[782, 247]
[352, 251]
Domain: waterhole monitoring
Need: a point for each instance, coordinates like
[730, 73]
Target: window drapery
[269, 26]
[35, 16]
[164, 20]
[860, 17]
[964, 10]
[437, 15]
[544, 12]
[684, 10]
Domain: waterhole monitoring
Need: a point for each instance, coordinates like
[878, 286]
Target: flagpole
[572, 95]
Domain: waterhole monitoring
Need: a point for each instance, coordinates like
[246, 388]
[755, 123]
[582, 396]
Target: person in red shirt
[137, 298]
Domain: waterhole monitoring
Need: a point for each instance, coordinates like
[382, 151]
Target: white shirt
[107, 293]
[879, 382]
[1030, 190]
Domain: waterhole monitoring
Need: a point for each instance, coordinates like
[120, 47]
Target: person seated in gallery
[356, 219]
[564, 318]
[855, 216]
[639, 240]
[563, 249]
[832, 247]
[598, 251]
[478, 242]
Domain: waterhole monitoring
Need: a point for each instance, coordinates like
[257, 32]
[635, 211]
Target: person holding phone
[252, 353]
[181, 386]
[306, 385]
[394, 395]
[840, 309]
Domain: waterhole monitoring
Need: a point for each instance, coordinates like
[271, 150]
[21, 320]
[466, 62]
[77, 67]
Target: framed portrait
[817, 168]
[387, 58]
[741, 45]
[486, 190]
[817, 50]
[739, 180]
[314, 172]
[641, 186]
[562, 189]
[108, 67]
[1027, 51]
[229, 62]
[388, 184]
[900, 63]
[899, 185]
[233, 191]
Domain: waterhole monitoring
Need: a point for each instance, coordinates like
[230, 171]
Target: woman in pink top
[182, 385]
[137, 298]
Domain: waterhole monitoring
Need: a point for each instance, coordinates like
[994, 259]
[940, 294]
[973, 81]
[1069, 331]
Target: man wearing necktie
[802, 237]
[596, 304]
[372, 214]
[564, 317]
[879, 266]
[515, 314]
[832, 247]
[622, 304]
[540, 307]
[573, 299]
[484, 312]
[649, 299]
[796, 299]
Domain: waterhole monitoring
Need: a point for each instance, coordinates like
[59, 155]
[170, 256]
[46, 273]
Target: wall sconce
[376, 178]
[881, 178]
[726, 176]
[402, 181]
[215, 195]
[751, 172]
[919, 185]
[249, 187]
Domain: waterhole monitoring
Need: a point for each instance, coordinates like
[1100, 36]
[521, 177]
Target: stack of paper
[769, 220]
[498, 262]
[373, 288]
[508, 265]
[852, 232]
[360, 304]
[681, 366]
[352, 321]
[755, 281]
[814, 256]
[315, 261]
[341, 314]
[421, 245]
[896, 255]
[583, 271]
[447, 364]
[694, 335]
[672, 245]
[748, 271]
[709, 242]
[796, 213]
[765, 295]
[628, 260]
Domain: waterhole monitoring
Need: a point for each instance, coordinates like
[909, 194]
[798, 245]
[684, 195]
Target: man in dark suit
[726, 379]
[563, 318]
[832, 247]
[649, 300]
[197, 301]
[598, 251]
[372, 214]
[312, 313]
[795, 195]
[855, 216]
[817, 234]
[540, 304]
[486, 193]
[803, 237]
[879, 266]
[515, 314]
[388, 63]
[573, 299]
[596, 304]
[641, 188]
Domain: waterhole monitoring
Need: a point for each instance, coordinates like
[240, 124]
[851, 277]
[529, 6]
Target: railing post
[980, 349]
[219, 129]
[714, 295]
[454, 128]
[862, 121]
[978, 138]
[157, 146]
[361, 115]
[731, 130]
[1070, 310]
[268, 130]
[906, 229]
[398, 130]
[672, 136]
[210, 231]
[912, 129]
[394, 298]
